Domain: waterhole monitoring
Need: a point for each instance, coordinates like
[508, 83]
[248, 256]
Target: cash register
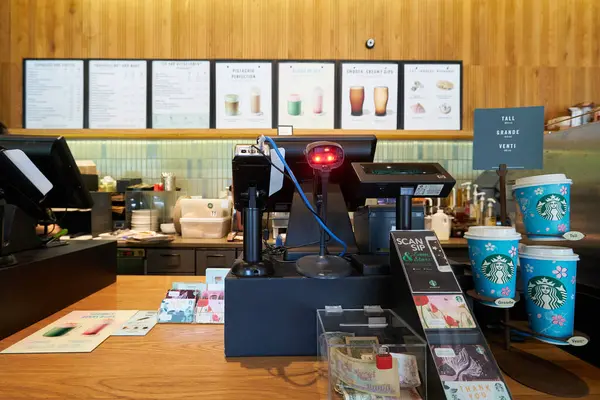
[271, 311]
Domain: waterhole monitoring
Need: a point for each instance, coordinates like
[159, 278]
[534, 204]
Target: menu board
[244, 95]
[180, 94]
[511, 136]
[307, 95]
[426, 271]
[117, 94]
[369, 96]
[53, 94]
[432, 96]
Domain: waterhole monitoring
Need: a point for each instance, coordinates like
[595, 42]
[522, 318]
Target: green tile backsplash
[203, 167]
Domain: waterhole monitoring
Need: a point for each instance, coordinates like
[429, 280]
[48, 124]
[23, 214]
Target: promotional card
[456, 363]
[138, 325]
[77, 332]
[443, 311]
[426, 269]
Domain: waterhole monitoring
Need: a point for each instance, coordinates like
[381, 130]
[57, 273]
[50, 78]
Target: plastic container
[545, 203]
[348, 343]
[493, 253]
[549, 279]
[205, 228]
[441, 224]
[205, 208]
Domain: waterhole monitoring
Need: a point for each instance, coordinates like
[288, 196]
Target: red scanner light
[324, 155]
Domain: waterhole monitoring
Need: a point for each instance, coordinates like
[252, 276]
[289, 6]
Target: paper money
[362, 347]
[332, 339]
[363, 375]
[351, 394]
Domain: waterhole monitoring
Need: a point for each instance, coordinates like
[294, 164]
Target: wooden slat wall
[515, 52]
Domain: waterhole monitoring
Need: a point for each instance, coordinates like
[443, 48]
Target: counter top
[185, 361]
[223, 243]
[191, 243]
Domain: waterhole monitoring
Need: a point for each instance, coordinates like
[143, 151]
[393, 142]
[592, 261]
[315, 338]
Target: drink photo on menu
[307, 95]
[243, 95]
[369, 97]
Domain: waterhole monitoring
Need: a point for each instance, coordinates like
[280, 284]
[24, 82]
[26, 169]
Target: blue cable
[303, 196]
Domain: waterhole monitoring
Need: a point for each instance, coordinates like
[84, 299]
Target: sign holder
[526, 368]
[430, 300]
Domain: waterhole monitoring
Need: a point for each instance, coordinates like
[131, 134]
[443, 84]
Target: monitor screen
[53, 158]
[400, 169]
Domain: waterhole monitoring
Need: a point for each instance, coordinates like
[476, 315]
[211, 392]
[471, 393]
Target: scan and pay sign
[511, 136]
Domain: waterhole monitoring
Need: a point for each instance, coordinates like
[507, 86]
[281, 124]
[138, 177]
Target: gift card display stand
[528, 369]
[460, 364]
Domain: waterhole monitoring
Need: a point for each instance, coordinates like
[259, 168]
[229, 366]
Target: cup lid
[542, 180]
[493, 232]
[549, 252]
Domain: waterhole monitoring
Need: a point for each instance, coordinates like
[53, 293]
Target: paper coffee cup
[549, 280]
[493, 253]
[545, 203]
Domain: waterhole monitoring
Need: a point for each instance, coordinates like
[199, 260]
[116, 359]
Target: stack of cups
[493, 253]
[549, 280]
[544, 201]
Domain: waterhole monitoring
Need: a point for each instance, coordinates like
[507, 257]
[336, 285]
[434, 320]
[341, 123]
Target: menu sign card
[432, 96]
[425, 265]
[511, 136]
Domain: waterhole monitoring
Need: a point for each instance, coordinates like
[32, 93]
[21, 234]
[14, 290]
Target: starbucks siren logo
[546, 292]
[552, 207]
[498, 268]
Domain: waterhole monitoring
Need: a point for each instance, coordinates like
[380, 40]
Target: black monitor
[53, 158]
[356, 149]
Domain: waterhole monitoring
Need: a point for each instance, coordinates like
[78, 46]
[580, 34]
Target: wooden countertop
[453, 243]
[192, 243]
[185, 361]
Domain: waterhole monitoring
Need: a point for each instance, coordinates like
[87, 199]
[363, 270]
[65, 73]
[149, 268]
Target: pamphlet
[425, 265]
[77, 332]
[138, 325]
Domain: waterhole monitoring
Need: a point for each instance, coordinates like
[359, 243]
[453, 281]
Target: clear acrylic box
[370, 351]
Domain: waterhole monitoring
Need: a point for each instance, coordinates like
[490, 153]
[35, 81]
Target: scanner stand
[252, 264]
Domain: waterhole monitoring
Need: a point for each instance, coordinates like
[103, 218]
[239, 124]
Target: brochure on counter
[138, 325]
[77, 332]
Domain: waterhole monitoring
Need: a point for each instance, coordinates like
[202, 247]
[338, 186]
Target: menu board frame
[402, 99]
[214, 89]
[150, 89]
[336, 89]
[24, 83]
[340, 89]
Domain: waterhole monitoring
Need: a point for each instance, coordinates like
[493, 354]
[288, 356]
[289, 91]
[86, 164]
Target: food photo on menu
[432, 96]
[369, 96]
[307, 94]
[243, 95]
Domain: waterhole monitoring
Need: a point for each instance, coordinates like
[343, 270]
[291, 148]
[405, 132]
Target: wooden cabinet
[171, 261]
[214, 258]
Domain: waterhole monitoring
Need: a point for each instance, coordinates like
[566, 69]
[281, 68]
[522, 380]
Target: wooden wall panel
[515, 52]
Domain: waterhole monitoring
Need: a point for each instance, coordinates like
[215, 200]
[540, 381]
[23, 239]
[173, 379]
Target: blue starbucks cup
[549, 280]
[544, 201]
[493, 253]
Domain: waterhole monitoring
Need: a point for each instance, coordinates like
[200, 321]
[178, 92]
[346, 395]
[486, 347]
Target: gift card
[443, 311]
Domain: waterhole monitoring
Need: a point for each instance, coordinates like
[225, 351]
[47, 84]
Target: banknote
[332, 339]
[352, 394]
[362, 347]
